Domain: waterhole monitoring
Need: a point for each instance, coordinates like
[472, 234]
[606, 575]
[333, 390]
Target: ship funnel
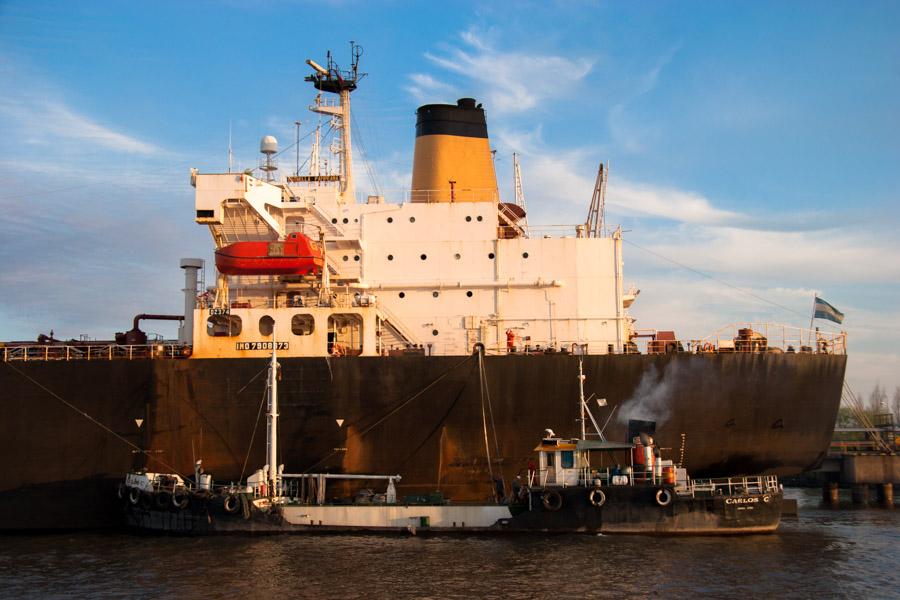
[452, 160]
[191, 268]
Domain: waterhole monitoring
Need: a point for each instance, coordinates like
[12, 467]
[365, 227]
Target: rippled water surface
[822, 554]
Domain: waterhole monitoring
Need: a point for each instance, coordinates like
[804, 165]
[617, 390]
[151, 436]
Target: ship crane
[597, 213]
[519, 192]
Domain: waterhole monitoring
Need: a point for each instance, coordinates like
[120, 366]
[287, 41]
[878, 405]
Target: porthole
[356, 220]
[334, 221]
[412, 219]
[356, 257]
[469, 219]
[423, 256]
[469, 294]
[434, 332]
[402, 294]
[524, 255]
[435, 294]
[390, 257]
[491, 256]
[346, 258]
[390, 219]
[480, 218]
[346, 220]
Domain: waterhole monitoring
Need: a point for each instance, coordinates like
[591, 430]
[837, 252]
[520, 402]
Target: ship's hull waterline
[739, 413]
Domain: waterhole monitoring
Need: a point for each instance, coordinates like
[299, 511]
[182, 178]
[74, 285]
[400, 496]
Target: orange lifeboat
[296, 255]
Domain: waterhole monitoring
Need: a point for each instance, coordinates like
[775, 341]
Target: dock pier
[872, 460]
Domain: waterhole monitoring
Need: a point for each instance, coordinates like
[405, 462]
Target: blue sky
[755, 142]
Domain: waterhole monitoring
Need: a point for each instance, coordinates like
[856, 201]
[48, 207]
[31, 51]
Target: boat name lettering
[217, 312]
[741, 500]
[261, 345]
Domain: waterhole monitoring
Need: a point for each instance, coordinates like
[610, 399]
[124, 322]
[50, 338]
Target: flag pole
[813, 315]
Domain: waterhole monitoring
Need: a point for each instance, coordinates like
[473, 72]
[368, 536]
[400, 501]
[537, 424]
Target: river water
[823, 553]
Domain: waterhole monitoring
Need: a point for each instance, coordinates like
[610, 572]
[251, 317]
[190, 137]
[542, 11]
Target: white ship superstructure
[446, 268]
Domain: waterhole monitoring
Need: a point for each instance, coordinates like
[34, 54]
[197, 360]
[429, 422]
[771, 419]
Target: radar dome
[268, 145]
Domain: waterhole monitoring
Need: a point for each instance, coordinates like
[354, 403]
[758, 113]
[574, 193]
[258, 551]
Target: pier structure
[865, 459]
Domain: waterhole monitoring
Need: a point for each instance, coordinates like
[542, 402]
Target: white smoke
[652, 399]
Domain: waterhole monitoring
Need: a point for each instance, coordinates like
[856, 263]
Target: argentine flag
[823, 310]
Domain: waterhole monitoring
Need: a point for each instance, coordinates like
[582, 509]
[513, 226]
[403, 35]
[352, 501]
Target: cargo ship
[383, 302]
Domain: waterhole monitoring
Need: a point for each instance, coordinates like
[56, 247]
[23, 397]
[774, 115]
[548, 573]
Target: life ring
[232, 504]
[663, 497]
[552, 500]
[134, 496]
[597, 497]
[706, 347]
[180, 499]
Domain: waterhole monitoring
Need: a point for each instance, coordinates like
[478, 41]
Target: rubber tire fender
[552, 500]
[232, 504]
[663, 497]
[180, 499]
[597, 497]
[134, 496]
[122, 491]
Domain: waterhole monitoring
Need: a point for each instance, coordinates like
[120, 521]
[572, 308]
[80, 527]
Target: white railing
[66, 352]
[730, 486]
[775, 335]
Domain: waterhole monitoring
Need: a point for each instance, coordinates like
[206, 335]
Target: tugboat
[569, 491]
[564, 492]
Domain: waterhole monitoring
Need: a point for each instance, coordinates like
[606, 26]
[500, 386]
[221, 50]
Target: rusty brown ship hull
[417, 416]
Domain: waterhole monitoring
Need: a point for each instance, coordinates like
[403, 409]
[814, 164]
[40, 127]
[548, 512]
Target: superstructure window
[303, 324]
[223, 326]
[345, 335]
[568, 459]
[266, 325]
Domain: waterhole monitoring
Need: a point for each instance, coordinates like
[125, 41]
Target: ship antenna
[331, 79]
[272, 418]
[230, 153]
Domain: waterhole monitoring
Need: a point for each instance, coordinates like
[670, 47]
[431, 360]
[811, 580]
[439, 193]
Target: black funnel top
[465, 119]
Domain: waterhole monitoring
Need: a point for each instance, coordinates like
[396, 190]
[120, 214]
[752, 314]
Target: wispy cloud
[43, 121]
[505, 79]
[630, 135]
[425, 88]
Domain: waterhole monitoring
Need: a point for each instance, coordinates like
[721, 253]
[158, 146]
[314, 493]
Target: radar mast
[333, 80]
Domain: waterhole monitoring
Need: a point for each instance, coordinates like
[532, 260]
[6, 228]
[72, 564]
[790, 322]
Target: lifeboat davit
[296, 255]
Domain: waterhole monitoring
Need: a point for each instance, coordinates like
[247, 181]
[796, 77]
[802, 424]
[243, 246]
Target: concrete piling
[886, 495]
[831, 493]
[860, 494]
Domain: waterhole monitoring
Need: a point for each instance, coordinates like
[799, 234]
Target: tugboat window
[266, 325]
[568, 459]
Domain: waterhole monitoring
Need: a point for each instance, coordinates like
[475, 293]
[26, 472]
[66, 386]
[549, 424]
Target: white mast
[331, 79]
[581, 403]
[272, 421]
